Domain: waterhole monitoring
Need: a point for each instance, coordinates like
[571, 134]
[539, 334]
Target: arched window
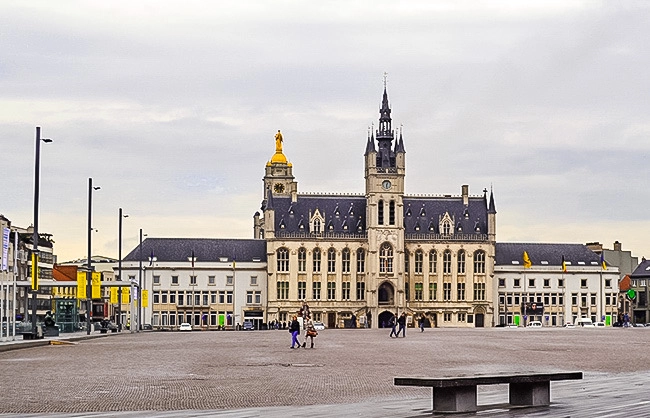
[331, 260]
[283, 259]
[479, 262]
[446, 228]
[433, 262]
[461, 262]
[302, 260]
[316, 259]
[386, 258]
[317, 226]
[345, 260]
[361, 261]
[380, 212]
[418, 261]
[391, 213]
[446, 262]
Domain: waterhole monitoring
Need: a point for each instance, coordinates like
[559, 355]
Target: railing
[424, 236]
[323, 235]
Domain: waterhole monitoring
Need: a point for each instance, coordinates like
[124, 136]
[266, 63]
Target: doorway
[331, 320]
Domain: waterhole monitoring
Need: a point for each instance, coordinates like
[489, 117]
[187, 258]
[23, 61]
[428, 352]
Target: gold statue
[278, 142]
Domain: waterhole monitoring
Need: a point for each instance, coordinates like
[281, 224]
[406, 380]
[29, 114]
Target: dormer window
[282, 224]
[337, 212]
[446, 224]
[408, 211]
[351, 210]
[459, 227]
[466, 213]
[423, 212]
[316, 222]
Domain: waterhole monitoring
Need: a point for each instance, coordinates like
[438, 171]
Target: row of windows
[551, 299]
[386, 258]
[418, 295]
[391, 212]
[547, 282]
[194, 298]
[316, 291]
[193, 280]
[221, 318]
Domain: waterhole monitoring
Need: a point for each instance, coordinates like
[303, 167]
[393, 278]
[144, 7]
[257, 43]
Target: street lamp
[37, 166]
[119, 273]
[89, 296]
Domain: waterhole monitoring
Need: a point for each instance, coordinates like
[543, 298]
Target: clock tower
[278, 177]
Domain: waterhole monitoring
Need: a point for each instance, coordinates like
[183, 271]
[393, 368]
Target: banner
[114, 291]
[97, 285]
[126, 295]
[5, 249]
[81, 285]
[34, 271]
[145, 299]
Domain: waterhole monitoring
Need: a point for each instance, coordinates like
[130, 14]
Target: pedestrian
[310, 331]
[392, 322]
[294, 329]
[402, 325]
[422, 323]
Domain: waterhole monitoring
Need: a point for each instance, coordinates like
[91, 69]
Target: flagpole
[13, 319]
[193, 287]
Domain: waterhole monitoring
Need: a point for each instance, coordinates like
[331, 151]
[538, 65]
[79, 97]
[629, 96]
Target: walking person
[402, 325]
[422, 323]
[294, 329]
[393, 324]
[310, 331]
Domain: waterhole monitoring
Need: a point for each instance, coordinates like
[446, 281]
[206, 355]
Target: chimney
[617, 246]
[465, 192]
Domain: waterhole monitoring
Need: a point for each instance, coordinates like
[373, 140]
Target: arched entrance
[479, 318]
[386, 294]
[384, 319]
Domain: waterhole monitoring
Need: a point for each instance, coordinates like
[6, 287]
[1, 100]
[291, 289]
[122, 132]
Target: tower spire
[385, 134]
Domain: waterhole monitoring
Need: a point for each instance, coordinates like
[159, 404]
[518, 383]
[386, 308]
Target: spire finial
[385, 79]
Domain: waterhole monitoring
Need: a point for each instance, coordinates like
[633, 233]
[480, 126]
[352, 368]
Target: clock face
[278, 188]
[386, 184]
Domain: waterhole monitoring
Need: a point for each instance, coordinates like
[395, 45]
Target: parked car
[585, 322]
[319, 326]
[185, 327]
[569, 325]
[639, 326]
[599, 324]
[248, 325]
[534, 324]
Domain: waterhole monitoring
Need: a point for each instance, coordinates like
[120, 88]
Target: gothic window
[380, 212]
[446, 262]
[361, 291]
[461, 262]
[361, 261]
[316, 222]
[433, 262]
[386, 258]
[446, 224]
[461, 291]
[302, 260]
[391, 213]
[345, 260]
[316, 260]
[283, 259]
[418, 262]
[316, 226]
[479, 262]
[331, 260]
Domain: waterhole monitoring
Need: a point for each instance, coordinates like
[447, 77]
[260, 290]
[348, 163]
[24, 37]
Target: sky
[172, 107]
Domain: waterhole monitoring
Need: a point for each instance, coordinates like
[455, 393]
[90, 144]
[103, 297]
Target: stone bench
[459, 394]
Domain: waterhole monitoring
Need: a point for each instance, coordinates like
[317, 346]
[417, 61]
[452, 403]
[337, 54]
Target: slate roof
[345, 214]
[421, 214]
[205, 249]
[507, 252]
[642, 270]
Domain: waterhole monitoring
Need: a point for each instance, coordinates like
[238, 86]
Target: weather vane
[385, 78]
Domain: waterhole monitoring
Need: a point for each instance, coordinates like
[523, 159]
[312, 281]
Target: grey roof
[642, 270]
[205, 249]
[507, 252]
[343, 213]
[423, 214]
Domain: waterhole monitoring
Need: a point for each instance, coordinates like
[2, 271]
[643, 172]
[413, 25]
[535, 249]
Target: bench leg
[530, 394]
[458, 399]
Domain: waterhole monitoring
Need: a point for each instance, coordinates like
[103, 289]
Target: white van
[585, 322]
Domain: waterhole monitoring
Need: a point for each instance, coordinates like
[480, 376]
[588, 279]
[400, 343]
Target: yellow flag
[527, 263]
[81, 285]
[126, 295]
[114, 296]
[97, 285]
[34, 271]
[145, 299]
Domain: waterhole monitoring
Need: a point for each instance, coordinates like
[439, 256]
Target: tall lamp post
[119, 273]
[89, 295]
[37, 169]
[139, 307]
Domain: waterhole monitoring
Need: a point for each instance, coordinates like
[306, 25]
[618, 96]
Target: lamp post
[139, 308]
[89, 296]
[119, 272]
[37, 169]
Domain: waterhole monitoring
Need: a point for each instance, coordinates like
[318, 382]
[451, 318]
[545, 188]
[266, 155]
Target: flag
[192, 258]
[563, 264]
[233, 264]
[527, 263]
[602, 261]
[151, 258]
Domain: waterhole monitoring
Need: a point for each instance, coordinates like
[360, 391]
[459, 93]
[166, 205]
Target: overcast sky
[172, 107]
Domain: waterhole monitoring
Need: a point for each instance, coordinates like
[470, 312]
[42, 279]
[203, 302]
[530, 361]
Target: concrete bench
[459, 394]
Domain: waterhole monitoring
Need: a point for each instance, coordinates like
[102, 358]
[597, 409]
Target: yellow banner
[97, 285]
[114, 295]
[126, 295]
[81, 285]
[145, 299]
[34, 271]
